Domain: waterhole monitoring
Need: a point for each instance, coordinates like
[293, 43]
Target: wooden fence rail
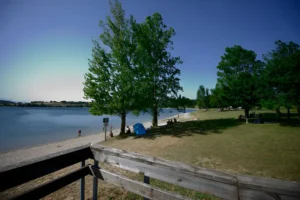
[219, 184]
[223, 185]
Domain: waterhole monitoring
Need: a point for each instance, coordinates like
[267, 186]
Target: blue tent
[139, 129]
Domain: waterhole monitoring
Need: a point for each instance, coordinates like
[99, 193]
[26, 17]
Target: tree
[110, 80]
[238, 74]
[181, 103]
[207, 98]
[282, 76]
[158, 75]
[203, 97]
[217, 97]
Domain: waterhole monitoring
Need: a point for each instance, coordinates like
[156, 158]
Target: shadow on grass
[189, 128]
[283, 121]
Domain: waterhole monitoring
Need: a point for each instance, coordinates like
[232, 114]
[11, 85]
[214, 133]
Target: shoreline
[28, 153]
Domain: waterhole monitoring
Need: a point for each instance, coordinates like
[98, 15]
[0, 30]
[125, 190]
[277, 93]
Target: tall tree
[110, 80]
[158, 74]
[203, 96]
[207, 98]
[282, 76]
[239, 73]
[217, 97]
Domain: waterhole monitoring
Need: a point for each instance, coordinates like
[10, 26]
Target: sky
[45, 44]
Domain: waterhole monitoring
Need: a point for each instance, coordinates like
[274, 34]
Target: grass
[221, 142]
[217, 141]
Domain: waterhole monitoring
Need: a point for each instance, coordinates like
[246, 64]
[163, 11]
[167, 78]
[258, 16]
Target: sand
[20, 155]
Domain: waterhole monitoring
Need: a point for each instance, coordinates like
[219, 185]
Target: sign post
[105, 121]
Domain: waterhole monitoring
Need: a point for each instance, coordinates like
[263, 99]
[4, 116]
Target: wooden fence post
[95, 183]
[82, 183]
[146, 180]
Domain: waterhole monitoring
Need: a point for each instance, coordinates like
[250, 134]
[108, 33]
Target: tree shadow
[189, 128]
[283, 120]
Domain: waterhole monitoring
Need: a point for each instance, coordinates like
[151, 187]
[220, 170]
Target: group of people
[127, 131]
[170, 121]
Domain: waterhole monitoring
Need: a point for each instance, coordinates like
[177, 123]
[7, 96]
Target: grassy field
[219, 141]
[216, 141]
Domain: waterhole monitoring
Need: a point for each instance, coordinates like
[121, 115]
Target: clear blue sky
[45, 44]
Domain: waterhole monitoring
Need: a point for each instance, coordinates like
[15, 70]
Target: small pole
[95, 183]
[146, 180]
[105, 130]
[82, 183]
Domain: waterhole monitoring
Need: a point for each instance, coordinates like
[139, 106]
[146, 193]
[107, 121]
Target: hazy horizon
[48, 43]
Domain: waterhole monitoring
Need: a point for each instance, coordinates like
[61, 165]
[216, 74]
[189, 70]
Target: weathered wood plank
[269, 185]
[47, 188]
[29, 170]
[256, 195]
[136, 187]
[248, 194]
[194, 178]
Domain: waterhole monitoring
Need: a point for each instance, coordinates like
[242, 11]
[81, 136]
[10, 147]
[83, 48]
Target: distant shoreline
[79, 104]
[47, 106]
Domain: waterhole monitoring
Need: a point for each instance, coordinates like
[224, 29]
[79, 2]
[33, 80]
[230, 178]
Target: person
[128, 131]
[175, 121]
[111, 133]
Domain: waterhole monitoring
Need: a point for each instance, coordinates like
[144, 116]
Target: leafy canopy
[239, 73]
[158, 75]
[282, 76]
[109, 82]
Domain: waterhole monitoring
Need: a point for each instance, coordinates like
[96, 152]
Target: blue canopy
[139, 129]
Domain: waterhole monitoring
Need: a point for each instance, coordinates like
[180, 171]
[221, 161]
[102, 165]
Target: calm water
[25, 127]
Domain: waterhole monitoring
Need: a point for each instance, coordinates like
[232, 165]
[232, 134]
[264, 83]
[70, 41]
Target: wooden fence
[222, 185]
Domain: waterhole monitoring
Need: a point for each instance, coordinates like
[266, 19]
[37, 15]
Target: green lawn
[219, 141]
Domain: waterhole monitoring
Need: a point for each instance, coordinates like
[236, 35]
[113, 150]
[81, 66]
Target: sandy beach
[20, 155]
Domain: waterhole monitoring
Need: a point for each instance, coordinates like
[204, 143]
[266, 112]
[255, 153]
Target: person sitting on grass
[170, 121]
[128, 131]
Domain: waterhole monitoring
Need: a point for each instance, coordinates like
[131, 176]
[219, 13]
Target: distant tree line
[244, 81]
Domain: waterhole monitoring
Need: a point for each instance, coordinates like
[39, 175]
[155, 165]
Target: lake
[22, 127]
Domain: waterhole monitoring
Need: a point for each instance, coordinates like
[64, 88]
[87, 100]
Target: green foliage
[203, 97]
[217, 97]
[157, 70]
[282, 76]
[239, 73]
[131, 67]
[181, 103]
[110, 80]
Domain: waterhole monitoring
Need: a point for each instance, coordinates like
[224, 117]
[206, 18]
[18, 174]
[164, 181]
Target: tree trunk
[247, 115]
[123, 123]
[278, 113]
[155, 113]
[288, 113]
